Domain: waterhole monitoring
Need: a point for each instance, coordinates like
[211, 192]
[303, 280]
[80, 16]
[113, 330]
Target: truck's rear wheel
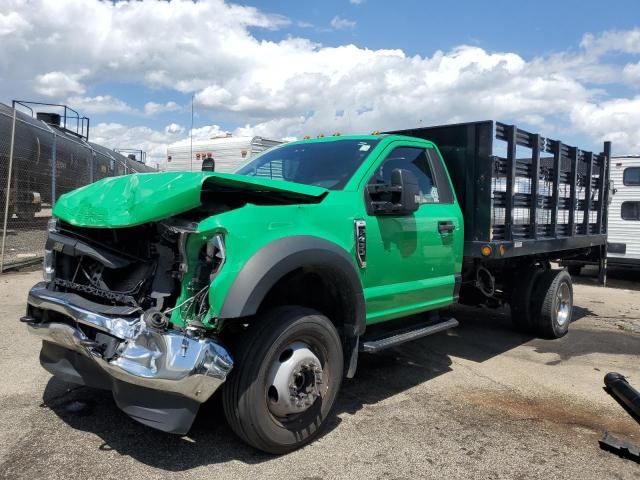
[553, 301]
[286, 378]
[574, 270]
[521, 304]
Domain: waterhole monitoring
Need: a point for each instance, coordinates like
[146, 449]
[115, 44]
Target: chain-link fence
[38, 163]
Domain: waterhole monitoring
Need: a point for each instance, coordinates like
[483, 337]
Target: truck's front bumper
[159, 378]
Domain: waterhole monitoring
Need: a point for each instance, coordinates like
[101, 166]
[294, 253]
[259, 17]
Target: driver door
[412, 259]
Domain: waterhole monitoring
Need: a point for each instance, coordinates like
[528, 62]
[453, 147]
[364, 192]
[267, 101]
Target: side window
[630, 210]
[278, 169]
[272, 170]
[631, 176]
[416, 161]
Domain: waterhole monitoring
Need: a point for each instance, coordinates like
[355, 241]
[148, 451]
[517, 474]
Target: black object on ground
[618, 386]
[620, 447]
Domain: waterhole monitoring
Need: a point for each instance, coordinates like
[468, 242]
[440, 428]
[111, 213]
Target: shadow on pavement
[482, 334]
[585, 342]
[625, 278]
[210, 441]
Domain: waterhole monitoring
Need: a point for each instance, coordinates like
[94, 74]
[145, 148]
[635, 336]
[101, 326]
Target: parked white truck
[624, 212]
[228, 153]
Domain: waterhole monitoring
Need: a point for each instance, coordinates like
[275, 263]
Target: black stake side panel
[468, 150]
[535, 173]
[604, 211]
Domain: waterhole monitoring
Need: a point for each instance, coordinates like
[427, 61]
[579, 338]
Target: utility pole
[191, 137]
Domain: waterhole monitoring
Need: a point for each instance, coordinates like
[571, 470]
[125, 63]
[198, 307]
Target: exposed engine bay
[105, 316]
[138, 267]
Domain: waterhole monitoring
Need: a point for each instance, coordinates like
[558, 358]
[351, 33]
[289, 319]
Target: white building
[624, 212]
[228, 152]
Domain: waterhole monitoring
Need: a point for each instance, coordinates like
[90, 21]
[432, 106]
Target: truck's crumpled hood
[146, 197]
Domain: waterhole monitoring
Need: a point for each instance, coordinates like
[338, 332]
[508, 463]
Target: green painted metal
[147, 197]
[410, 266]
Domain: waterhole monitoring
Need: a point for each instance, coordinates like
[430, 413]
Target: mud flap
[352, 346]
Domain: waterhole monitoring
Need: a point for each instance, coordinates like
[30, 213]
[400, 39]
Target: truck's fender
[269, 264]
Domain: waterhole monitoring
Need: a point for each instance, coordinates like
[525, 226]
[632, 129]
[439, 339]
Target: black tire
[245, 397]
[522, 306]
[553, 302]
[574, 270]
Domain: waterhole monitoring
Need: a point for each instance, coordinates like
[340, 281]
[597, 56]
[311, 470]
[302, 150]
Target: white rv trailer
[228, 152]
[624, 213]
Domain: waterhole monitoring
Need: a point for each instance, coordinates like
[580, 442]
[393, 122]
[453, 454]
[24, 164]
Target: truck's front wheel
[286, 378]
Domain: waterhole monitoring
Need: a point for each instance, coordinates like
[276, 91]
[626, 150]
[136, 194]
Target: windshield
[328, 164]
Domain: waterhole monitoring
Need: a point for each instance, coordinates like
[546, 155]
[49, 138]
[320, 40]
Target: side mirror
[397, 198]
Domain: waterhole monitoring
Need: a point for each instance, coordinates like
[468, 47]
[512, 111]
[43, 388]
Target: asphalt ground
[479, 401]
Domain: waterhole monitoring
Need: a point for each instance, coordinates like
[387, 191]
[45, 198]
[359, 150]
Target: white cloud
[626, 41]
[204, 133]
[208, 131]
[13, 22]
[98, 104]
[56, 84]
[153, 108]
[154, 142]
[174, 128]
[356, 2]
[293, 87]
[616, 120]
[340, 23]
[213, 96]
[631, 74]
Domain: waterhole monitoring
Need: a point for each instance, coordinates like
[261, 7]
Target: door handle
[446, 227]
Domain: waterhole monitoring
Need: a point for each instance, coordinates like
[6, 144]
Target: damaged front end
[124, 310]
[128, 299]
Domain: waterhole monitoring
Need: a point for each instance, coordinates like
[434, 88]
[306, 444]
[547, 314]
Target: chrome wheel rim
[294, 382]
[563, 304]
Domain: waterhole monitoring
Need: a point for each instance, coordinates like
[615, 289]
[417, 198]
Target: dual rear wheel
[542, 302]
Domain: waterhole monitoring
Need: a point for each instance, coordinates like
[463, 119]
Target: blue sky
[420, 27]
[285, 68]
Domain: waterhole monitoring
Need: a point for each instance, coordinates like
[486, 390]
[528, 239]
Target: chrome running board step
[396, 337]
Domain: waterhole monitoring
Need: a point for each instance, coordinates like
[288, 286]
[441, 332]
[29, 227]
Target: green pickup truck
[267, 284]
